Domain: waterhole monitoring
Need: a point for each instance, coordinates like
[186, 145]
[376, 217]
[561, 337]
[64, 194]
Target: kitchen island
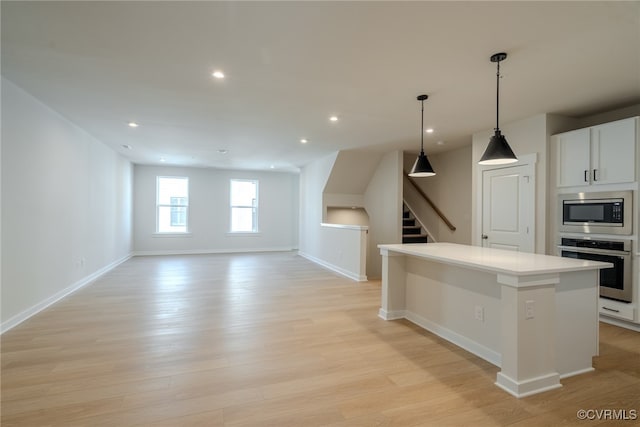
[534, 316]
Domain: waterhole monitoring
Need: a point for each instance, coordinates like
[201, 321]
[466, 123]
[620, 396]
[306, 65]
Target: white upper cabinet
[573, 157]
[613, 152]
[603, 154]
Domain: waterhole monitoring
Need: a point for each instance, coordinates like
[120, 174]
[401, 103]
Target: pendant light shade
[498, 151]
[422, 167]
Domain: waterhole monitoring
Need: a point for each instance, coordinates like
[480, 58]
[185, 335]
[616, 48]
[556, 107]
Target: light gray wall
[450, 191]
[609, 116]
[66, 205]
[383, 202]
[313, 178]
[526, 136]
[209, 212]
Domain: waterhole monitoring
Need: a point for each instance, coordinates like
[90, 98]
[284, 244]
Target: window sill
[243, 233]
[171, 234]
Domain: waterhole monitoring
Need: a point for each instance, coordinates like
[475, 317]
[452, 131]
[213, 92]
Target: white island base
[534, 316]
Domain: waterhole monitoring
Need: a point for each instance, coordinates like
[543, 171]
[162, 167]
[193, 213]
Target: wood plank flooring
[268, 339]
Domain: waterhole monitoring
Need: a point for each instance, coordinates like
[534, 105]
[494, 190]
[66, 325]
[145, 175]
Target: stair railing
[430, 202]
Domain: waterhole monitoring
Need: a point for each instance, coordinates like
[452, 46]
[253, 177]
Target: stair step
[411, 230]
[408, 222]
[406, 214]
[415, 238]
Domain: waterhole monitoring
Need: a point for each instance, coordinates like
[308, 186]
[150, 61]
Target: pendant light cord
[498, 96]
[422, 130]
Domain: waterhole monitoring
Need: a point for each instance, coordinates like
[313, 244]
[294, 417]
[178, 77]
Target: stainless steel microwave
[602, 212]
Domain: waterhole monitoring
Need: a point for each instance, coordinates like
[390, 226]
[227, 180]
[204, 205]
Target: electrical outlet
[479, 313]
[529, 308]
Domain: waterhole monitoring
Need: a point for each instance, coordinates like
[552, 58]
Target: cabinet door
[613, 156]
[573, 158]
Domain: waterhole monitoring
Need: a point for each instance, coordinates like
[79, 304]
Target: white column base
[528, 387]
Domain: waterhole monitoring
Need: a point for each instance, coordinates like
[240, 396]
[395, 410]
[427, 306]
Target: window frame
[172, 207]
[255, 207]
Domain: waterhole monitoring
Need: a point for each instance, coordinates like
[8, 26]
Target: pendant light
[422, 168]
[498, 151]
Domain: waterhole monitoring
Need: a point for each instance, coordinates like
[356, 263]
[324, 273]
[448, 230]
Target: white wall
[66, 206]
[313, 178]
[449, 190]
[209, 212]
[383, 202]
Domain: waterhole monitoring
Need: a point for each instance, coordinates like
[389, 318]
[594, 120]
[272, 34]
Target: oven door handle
[594, 251]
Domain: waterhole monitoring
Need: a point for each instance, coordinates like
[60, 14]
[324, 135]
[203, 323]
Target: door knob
[485, 237]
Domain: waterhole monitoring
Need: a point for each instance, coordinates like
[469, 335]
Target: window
[244, 206]
[172, 204]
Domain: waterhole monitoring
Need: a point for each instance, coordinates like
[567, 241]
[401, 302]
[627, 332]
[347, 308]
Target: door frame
[528, 160]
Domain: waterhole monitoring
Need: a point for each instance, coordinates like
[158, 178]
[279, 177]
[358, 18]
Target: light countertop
[494, 260]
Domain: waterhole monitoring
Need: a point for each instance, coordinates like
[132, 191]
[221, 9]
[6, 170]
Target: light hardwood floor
[268, 340]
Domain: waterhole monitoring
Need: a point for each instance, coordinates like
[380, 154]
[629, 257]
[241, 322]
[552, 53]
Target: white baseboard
[620, 323]
[24, 315]
[578, 372]
[391, 315]
[341, 271]
[210, 251]
[471, 346]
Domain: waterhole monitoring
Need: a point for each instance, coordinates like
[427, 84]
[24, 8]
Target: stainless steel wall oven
[615, 282]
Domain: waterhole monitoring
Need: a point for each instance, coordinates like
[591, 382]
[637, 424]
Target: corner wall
[383, 202]
[66, 206]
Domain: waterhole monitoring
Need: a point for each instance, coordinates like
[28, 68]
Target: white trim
[578, 372]
[24, 315]
[172, 234]
[391, 315]
[243, 233]
[210, 251]
[528, 387]
[341, 271]
[463, 342]
[345, 226]
[619, 323]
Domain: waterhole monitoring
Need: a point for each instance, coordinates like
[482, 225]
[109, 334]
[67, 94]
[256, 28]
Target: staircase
[411, 232]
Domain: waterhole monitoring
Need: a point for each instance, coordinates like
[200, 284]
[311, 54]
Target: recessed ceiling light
[218, 74]
[440, 142]
[223, 151]
[127, 147]
[162, 159]
[272, 167]
[133, 124]
[303, 141]
[429, 130]
[333, 118]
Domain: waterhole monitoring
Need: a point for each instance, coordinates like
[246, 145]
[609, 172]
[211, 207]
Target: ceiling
[290, 65]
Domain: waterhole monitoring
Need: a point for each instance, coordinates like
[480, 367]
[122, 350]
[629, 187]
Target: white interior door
[508, 206]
